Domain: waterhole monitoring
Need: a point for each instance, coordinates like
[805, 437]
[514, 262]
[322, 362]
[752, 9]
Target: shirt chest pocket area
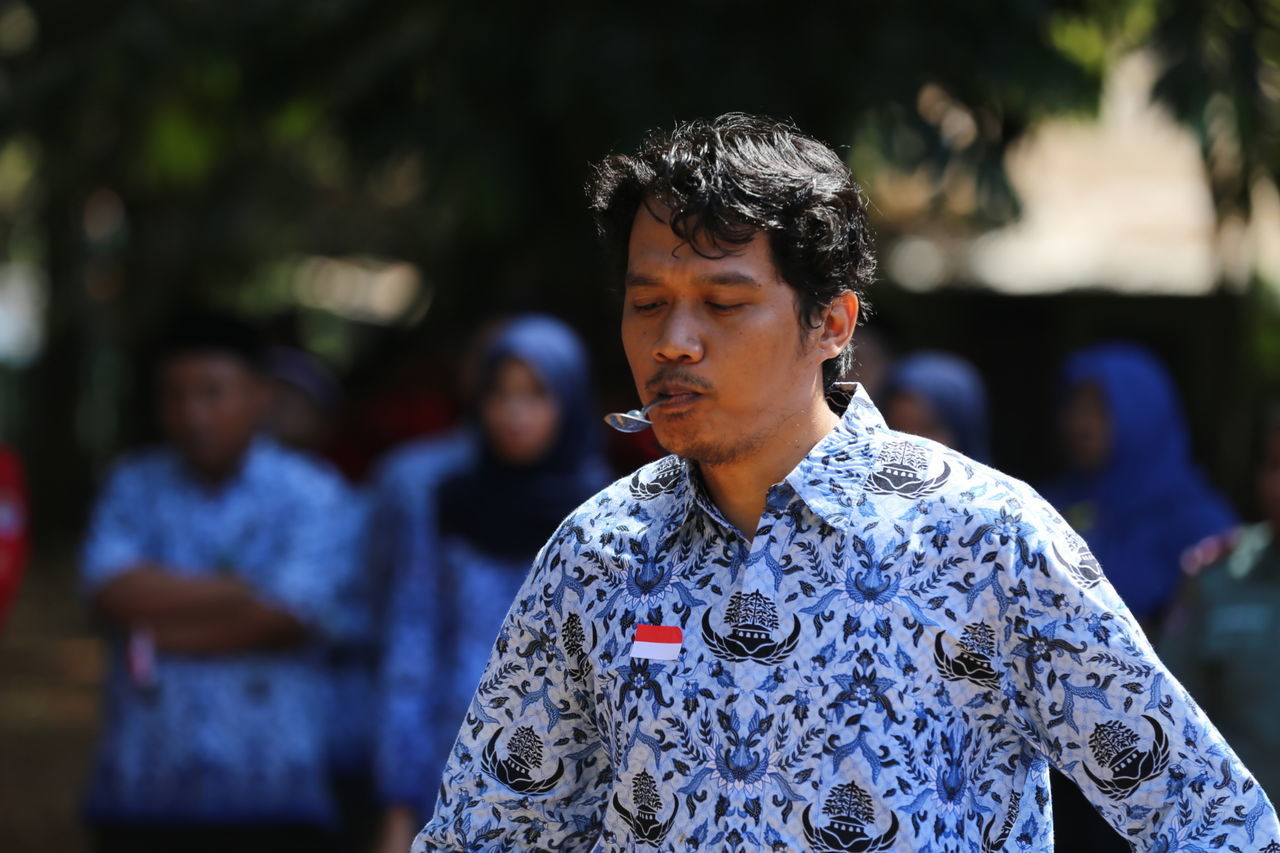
[631, 690]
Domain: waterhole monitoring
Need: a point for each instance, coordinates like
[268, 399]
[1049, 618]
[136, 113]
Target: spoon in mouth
[632, 421]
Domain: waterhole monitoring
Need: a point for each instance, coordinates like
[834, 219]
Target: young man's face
[719, 340]
[211, 405]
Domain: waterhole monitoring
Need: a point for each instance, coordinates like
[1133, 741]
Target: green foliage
[1222, 77]
[457, 136]
[268, 127]
[1264, 315]
[179, 147]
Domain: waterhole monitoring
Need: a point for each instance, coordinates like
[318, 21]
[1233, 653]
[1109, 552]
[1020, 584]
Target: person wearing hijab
[1133, 492]
[1132, 489]
[939, 396]
[479, 506]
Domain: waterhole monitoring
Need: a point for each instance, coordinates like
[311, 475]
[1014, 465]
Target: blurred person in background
[1134, 493]
[217, 563]
[465, 516]
[1132, 489]
[13, 527]
[402, 388]
[306, 399]
[939, 396]
[1221, 637]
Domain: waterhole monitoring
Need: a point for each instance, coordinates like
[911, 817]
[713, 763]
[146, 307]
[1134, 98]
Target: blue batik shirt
[352, 659]
[445, 606]
[237, 738]
[892, 662]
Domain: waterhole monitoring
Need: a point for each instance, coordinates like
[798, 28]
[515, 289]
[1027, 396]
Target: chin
[698, 446]
[709, 441]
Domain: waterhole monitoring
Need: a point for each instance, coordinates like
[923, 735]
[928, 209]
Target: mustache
[676, 376]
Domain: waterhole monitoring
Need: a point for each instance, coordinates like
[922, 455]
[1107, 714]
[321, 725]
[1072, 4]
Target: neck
[214, 475]
[739, 487]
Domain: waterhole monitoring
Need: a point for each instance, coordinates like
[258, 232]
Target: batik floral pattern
[891, 663]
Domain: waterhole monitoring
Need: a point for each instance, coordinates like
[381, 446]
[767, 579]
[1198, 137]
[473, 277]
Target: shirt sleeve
[117, 539]
[319, 558]
[1083, 685]
[529, 770]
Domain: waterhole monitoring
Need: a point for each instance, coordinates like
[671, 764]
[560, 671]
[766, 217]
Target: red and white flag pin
[657, 642]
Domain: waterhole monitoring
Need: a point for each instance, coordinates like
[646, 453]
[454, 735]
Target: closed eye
[646, 307]
[716, 306]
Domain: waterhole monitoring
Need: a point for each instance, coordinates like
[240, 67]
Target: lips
[673, 397]
[671, 401]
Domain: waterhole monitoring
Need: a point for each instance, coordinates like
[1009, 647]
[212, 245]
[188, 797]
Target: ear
[838, 322]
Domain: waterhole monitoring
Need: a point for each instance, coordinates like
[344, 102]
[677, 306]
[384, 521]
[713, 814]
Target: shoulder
[980, 501]
[648, 498]
[137, 468]
[649, 494]
[425, 460]
[999, 495]
[299, 474]
[920, 469]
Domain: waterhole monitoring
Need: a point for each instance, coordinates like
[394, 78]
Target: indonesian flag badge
[657, 642]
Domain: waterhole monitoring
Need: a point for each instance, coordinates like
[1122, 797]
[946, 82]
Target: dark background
[154, 154]
[458, 137]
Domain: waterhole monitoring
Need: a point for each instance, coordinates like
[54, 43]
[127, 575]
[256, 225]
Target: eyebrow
[722, 279]
[635, 279]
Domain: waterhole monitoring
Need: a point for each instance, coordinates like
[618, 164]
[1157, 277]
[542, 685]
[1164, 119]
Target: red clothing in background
[13, 527]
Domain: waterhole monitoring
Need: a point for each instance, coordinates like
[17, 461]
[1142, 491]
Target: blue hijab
[953, 390]
[1149, 503]
[510, 511]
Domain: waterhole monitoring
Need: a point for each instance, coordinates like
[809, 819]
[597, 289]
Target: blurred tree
[184, 147]
[1222, 77]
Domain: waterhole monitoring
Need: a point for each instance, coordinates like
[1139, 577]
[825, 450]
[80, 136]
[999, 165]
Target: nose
[680, 338]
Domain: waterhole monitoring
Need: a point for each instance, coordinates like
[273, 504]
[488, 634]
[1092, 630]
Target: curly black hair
[199, 331]
[726, 179]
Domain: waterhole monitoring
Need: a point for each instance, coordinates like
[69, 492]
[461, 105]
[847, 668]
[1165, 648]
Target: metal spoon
[635, 420]
[632, 421]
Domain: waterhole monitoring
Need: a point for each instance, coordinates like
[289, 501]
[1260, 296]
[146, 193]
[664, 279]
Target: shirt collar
[828, 479]
[255, 464]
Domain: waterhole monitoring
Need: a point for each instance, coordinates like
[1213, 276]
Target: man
[219, 563]
[807, 632]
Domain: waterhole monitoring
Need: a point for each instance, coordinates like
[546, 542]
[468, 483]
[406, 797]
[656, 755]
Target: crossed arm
[203, 615]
